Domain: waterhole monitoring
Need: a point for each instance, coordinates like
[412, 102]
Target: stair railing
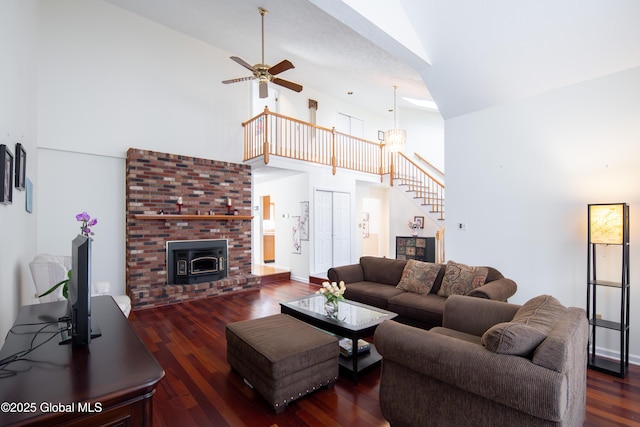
[418, 181]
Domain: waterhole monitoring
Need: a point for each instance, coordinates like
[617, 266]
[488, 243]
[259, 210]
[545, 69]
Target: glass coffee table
[352, 320]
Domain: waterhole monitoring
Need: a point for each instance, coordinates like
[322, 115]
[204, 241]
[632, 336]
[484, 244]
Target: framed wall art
[419, 220]
[28, 205]
[21, 166]
[295, 234]
[6, 172]
[304, 220]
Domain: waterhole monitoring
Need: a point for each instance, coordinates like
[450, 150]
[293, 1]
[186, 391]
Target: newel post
[391, 169]
[381, 162]
[265, 144]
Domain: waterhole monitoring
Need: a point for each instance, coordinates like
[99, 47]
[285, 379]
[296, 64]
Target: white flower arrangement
[332, 291]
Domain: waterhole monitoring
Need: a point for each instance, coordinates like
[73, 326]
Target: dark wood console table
[110, 382]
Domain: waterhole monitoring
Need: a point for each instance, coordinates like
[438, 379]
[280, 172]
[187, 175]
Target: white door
[323, 230]
[332, 231]
[341, 230]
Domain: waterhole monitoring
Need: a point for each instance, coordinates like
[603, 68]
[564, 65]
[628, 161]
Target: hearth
[196, 261]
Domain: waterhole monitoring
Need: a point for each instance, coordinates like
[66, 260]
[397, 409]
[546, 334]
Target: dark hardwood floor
[201, 390]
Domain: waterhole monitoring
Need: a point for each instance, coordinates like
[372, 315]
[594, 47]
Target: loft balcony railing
[272, 134]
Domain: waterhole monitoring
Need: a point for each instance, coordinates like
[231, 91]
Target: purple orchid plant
[87, 223]
[85, 228]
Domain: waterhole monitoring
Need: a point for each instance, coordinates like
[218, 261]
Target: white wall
[521, 176]
[425, 136]
[91, 183]
[110, 80]
[18, 29]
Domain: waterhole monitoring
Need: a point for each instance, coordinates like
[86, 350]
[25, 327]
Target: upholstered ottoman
[282, 358]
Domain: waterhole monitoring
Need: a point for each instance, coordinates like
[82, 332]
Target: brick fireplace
[154, 183]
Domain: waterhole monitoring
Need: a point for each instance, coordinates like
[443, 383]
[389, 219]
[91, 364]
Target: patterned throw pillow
[460, 279]
[418, 276]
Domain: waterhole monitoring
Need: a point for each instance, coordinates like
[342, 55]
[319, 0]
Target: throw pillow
[418, 276]
[460, 279]
[541, 312]
[512, 338]
[530, 326]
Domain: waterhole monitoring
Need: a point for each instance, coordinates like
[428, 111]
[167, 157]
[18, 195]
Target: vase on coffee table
[331, 307]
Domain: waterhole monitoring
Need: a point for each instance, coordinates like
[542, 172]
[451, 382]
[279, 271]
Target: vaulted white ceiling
[464, 54]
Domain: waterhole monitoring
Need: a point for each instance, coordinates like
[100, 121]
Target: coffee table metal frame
[348, 324]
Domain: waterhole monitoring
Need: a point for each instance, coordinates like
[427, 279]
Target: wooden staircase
[425, 188]
[272, 134]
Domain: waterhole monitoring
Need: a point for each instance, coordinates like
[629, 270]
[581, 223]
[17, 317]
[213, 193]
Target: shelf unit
[418, 248]
[608, 225]
[194, 217]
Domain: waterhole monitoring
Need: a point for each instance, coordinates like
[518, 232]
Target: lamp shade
[606, 223]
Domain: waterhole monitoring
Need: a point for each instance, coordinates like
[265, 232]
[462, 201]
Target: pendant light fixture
[395, 139]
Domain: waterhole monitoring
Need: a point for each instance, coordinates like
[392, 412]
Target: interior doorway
[268, 230]
[332, 234]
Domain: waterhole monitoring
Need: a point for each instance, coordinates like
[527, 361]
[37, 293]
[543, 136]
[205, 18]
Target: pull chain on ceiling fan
[263, 72]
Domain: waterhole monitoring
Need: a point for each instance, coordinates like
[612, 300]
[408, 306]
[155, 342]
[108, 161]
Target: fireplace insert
[196, 261]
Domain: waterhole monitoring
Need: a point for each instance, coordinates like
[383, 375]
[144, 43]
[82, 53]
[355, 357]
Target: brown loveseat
[491, 364]
[375, 280]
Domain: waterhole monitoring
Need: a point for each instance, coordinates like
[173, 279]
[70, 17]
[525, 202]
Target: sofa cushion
[424, 308]
[528, 328]
[375, 294]
[473, 339]
[460, 279]
[418, 276]
[382, 270]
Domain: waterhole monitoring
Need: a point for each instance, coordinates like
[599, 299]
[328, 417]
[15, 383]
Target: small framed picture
[28, 206]
[21, 166]
[380, 135]
[6, 172]
[419, 220]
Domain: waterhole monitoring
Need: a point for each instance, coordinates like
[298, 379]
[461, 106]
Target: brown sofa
[491, 364]
[374, 281]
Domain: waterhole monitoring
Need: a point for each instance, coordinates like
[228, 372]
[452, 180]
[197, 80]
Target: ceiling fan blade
[289, 85]
[244, 63]
[280, 67]
[240, 79]
[264, 90]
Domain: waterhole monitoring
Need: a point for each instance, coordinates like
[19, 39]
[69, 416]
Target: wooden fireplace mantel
[194, 217]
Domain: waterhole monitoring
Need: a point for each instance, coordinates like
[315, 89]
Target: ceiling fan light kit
[263, 72]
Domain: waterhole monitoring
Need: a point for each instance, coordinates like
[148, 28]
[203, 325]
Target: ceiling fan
[263, 72]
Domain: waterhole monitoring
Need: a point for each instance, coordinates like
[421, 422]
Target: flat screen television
[79, 330]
